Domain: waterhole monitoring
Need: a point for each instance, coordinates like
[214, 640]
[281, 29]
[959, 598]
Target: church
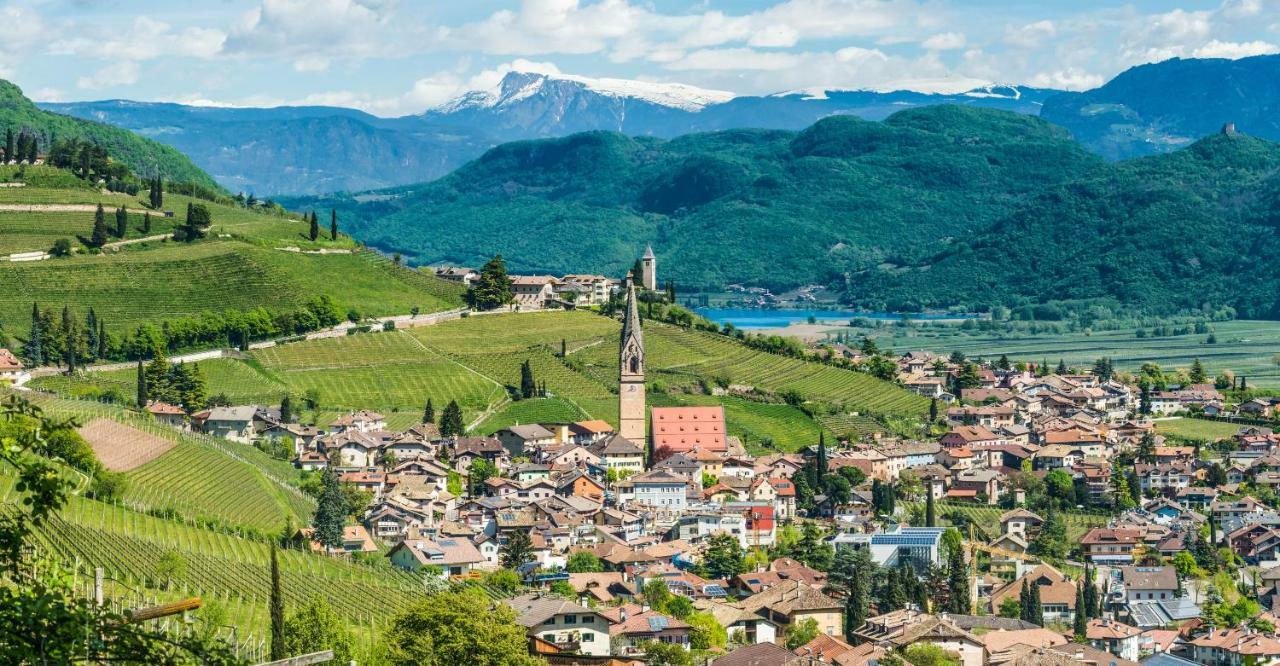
[675, 429]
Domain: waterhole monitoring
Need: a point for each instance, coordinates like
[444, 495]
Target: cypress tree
[278, 650]
[527, 386]
[122, 222]
[142, 386]
[333, 225]
[34, 349]
[933, 409]
[102, 339]
[959, 600]
[286, 409]
[71, 345]
[146, 223]
[91, 333]
[1081, 623]
[1037, 610]
[9, 155]
[930, 512]
[822, 456]
[1024, 602]
[99, 237]
[429, 413]
[1092, 604]
[315, 226]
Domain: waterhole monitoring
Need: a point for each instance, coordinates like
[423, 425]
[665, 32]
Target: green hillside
[143, 156]
[840, 196]
[476, 360]
[1190, 230]
[250, 259]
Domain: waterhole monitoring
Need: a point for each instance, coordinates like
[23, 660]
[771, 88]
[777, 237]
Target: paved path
[70, 208]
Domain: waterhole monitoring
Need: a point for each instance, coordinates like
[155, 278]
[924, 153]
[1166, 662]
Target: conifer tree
[91, 333]
[71, 343]
[9, 154]
[1197, 374]
[1037, 609]
[429, 412]
[1062, 367]
[142, 386]
[527, 386]
[34, 349]
[492, 288]
[315, 226]
[333, 225]
[1081, 623]
[122, 222]
[1092, 603]
[822, 456]
[99, 237]
[958, 597]
[930, 511]
[451, 420]
[278, 650]
[146, 223]
[286, 409]
[331, 512]
[102, 339]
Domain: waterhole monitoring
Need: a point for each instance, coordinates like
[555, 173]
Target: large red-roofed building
[685, 429]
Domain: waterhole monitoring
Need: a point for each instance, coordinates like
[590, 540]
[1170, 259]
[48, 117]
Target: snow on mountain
[517, 86]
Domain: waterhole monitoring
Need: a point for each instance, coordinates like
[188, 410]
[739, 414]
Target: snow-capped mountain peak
[517, 86]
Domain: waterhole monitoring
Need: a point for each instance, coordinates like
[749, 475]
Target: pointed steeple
[631, 322]
[648, 252]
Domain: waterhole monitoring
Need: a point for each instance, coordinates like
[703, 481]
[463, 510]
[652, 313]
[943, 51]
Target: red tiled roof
[681, 429]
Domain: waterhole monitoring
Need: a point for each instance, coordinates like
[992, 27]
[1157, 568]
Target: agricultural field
[476, 361]
[224, 569]
[199, 477]
[1199, 429]
[535, 410]
[121, 448]
[243, 264]
[1247, 348]
[987, 518]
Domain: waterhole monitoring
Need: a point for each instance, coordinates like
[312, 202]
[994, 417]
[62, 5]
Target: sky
[397, 57]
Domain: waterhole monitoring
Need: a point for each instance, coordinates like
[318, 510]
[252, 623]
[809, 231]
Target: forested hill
[143, 156]
[763, 207]
[1192, 229]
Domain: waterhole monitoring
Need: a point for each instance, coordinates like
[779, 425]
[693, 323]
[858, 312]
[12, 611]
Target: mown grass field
[1196, 429]
[240, 266]
[476, 361]
[1246, 347]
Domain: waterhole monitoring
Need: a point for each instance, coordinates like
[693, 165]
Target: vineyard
[1246, 347]
[240, 266]
[987, 518]
[1196, 429]
[201, 478]
[476, 360]
[121, 448]
[850, 426]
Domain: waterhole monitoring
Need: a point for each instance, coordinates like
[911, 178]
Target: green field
[242, 265]
[987, 518]
[1200, 429]
[475, 360]
[1246, 347]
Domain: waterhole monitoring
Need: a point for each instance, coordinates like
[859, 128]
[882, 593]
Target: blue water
[751, 318]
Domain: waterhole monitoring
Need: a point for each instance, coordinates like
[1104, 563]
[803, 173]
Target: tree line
[66, 341]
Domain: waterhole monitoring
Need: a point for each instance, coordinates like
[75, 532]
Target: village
[1105, 544]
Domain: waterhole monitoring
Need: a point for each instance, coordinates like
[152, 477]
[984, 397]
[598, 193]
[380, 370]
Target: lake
[754, 318]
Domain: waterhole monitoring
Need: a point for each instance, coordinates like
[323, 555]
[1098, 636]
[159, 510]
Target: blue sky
[394, 57]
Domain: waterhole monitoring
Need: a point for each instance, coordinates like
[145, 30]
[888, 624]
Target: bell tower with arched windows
[631, 404]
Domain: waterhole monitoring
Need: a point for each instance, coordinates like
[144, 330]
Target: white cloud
[944, 41]
[123, 73]
[1067, 79]
[1235, 50]
[144, 39]
[312, 33]
[738, 59]
[1031, 35]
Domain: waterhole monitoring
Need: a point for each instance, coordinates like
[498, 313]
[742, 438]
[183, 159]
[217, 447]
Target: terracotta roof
[1109, 630]
[677, 429]
[153, 406]
[9, 362]
[595, 426]
[760, 654]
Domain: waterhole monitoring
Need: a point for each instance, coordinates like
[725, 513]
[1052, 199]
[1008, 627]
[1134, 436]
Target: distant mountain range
[310, 150]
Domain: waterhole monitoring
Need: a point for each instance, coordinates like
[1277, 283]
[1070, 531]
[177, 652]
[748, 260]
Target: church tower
[631, 405]
[649, 266]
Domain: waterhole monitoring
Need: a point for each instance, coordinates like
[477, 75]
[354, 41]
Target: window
[571, 619]
[551, 620]
[587, 637]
